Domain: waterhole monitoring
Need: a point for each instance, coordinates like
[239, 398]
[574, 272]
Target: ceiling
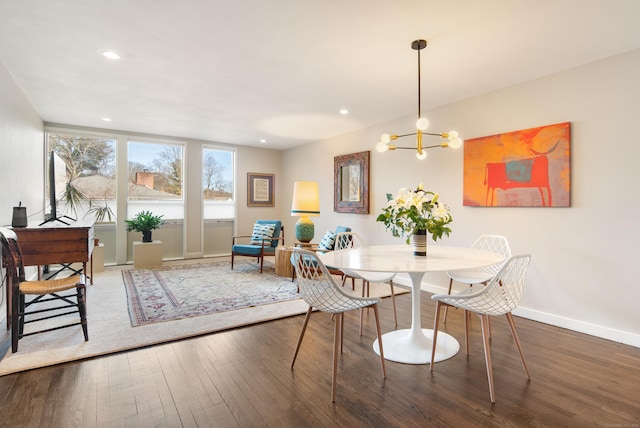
[280, 70]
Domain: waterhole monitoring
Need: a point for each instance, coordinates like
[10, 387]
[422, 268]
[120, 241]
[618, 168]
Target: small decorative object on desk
[413, 213]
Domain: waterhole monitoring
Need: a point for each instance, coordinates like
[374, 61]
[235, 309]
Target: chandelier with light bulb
[452, 139]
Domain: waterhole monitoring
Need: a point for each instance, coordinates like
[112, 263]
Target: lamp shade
[306, 199]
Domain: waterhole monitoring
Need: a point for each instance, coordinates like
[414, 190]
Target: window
[218, 187]
[87, 182]
[155, 172]
[155, 179]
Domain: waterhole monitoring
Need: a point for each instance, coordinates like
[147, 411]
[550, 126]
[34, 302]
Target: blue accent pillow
[262, 231]
[328, 241]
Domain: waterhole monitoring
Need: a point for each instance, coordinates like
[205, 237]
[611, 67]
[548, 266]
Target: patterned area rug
[184, 291]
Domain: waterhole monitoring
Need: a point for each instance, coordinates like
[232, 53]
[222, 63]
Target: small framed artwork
[351, 183]
[260, 190]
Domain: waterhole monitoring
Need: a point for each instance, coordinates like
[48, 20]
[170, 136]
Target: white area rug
[110, 328]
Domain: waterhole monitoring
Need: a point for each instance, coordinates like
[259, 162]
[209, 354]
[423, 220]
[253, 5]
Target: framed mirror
[351, 183]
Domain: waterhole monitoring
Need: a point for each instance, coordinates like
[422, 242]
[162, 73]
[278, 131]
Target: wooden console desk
[56, 243]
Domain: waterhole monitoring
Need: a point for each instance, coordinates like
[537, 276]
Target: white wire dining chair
[346, 240]
[499, 297]
[321, 292]
[491, 243]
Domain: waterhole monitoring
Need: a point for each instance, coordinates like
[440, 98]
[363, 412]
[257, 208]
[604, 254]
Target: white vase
[419, 243]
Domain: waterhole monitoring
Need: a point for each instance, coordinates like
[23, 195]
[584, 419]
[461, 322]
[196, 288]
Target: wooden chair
[320, 291]
[499, 297]
[262, 243]
[69, 292]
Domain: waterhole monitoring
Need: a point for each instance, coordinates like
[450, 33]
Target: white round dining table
[412, 346]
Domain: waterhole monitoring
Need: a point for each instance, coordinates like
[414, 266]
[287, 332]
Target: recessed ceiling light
[106, 119]
[263, 141]
[344, 111]
[110, 55]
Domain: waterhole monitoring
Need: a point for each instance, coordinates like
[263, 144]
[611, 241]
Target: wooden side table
[283, 261]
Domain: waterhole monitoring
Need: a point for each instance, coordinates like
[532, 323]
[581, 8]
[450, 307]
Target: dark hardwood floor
[241, 378]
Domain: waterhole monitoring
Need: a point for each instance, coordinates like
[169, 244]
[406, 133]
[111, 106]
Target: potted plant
[412, 214]
[144, 222]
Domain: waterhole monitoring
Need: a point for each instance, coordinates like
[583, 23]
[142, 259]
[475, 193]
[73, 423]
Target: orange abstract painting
[528, 168]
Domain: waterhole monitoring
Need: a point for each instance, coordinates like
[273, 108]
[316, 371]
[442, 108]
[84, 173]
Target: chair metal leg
[436, 323]
[487, 354]
[379, 331]
[334, 369]
[304, 327]
[446, 308]
[512, 326]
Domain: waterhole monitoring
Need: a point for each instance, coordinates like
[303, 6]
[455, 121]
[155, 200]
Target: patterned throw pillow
[328, 241]
[260, 232]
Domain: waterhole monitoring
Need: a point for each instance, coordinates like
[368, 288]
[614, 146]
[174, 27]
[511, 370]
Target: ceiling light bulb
[110, 55]
[422, 155]
[382, 147]
[385, 138]
[455, 143]
[344, 111]
[422, 123]
[106, 119]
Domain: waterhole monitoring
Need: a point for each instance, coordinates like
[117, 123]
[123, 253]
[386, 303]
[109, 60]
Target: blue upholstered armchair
[266, 236]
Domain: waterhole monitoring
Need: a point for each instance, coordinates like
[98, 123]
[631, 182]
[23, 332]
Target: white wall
[21, 138]
[586, 258]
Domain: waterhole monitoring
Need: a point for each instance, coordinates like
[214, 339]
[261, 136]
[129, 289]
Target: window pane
[87, 184]
[217, 175]
[155, 172]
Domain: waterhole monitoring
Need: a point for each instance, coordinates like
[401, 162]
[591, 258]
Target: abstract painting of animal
[523, 168]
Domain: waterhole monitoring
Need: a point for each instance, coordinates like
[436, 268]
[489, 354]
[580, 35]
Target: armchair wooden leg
[336, 345]
[487, 354]
[379, 331]
[82, 309]
[393, 301]
[446, 308]
[304, 328]
[436, 323]
[512, 326]
[467, 316]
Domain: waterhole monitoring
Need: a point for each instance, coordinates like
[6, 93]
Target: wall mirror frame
[351, 183]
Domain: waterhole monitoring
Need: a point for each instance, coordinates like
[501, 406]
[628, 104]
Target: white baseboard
[197, 255]
[626, 337]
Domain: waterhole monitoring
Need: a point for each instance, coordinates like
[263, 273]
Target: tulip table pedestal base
[409, 347]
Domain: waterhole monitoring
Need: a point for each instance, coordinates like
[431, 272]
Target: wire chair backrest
[317, 286]
[501, 295]
[346, 240]
[493, 244]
